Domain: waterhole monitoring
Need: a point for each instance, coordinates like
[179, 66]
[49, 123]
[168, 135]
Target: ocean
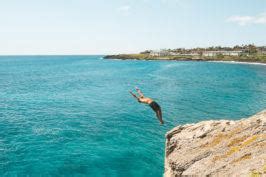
[74, 116]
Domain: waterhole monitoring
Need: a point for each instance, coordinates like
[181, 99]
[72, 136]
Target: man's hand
[139, 92]
[135, 96]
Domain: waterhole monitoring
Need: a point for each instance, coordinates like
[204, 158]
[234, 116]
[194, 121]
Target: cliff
[217, 148]
[255, 59]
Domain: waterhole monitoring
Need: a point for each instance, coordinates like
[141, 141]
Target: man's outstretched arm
[133, 95]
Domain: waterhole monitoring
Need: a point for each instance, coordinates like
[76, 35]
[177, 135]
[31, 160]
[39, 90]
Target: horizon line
[116, 53]
[1, 55]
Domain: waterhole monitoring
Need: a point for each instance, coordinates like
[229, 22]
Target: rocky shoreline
[182, 58]
[217, 148]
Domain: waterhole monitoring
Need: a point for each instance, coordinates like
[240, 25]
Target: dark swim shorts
[155, 106]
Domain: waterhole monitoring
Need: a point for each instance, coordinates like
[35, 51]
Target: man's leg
[159, 116]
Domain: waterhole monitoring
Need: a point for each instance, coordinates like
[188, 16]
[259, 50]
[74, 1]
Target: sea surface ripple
[73, 115]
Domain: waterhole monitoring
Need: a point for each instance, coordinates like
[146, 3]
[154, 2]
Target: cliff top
[218, 148]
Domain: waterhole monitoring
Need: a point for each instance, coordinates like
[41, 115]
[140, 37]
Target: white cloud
[124, 9]
[247, 20]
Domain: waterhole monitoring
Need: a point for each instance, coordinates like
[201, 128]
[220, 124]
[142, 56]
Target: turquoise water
[73, 115]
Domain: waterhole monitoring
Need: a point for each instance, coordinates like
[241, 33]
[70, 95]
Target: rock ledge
[217, 148]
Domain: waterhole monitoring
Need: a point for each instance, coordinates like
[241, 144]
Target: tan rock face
[217, 148]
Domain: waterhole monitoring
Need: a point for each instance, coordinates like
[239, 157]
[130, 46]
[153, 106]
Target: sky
[127, 26]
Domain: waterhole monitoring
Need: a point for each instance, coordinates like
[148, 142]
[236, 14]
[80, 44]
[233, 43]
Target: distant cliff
[217, 148]
[149, 57]
[255, 59]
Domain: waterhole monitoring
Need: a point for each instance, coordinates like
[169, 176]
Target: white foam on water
[45, 131]
[239, 62]
[172, 65]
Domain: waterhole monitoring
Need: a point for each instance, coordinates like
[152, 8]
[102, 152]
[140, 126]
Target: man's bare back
[154, 105]
[145, 100]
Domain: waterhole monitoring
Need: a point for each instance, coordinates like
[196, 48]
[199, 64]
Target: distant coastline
[187, 58]
[245, 53]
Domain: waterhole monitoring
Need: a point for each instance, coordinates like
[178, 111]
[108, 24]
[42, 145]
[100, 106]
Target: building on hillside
[225, 53]
[174, 53]
[155, 53]
[262, 50]
[190, 54]
[160, 53]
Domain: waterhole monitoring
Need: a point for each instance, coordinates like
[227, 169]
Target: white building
[190, 54]
[155, 53]
[160, 53]
[226, 53]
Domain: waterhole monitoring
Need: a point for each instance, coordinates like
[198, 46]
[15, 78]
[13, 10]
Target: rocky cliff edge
[217, 148]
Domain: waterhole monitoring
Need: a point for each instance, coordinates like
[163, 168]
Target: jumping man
[155, 106]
